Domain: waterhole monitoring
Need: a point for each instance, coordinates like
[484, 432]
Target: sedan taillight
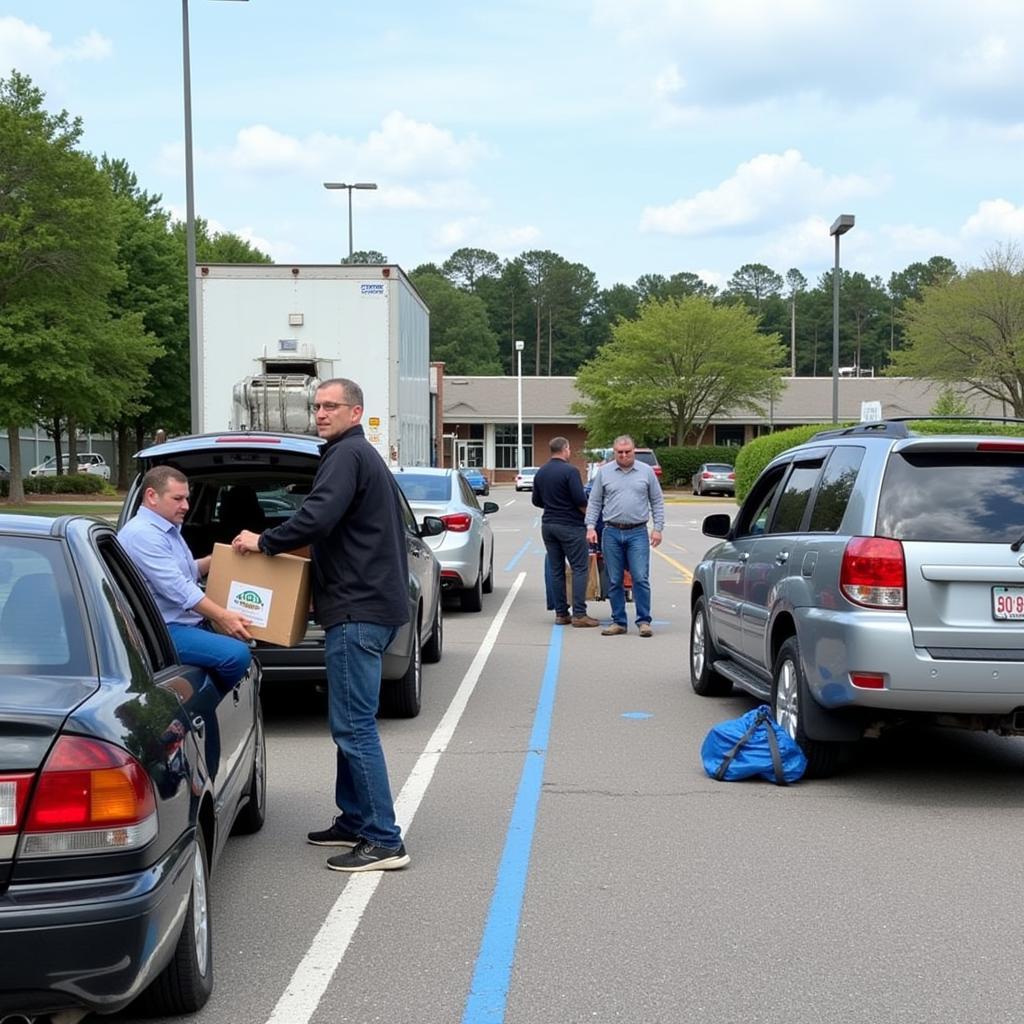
[874, 572]
[13, 794]
[457, 522]
[92, 797]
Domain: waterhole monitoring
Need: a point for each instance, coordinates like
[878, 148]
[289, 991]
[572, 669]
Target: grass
[106, 509]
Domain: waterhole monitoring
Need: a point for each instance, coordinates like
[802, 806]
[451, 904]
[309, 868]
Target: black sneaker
[367, 857]
[333, 836]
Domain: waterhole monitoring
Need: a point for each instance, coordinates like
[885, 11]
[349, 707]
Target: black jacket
[557, 489]
[352, 520]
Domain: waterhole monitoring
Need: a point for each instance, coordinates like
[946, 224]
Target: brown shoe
[645, 629]
[585, 622]
[562, 620]
[614, 630]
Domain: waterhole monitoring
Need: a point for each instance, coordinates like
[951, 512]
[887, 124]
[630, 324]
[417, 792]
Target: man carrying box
[154, 542]
[352, 521]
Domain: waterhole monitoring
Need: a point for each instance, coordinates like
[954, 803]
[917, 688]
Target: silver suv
[872, 576]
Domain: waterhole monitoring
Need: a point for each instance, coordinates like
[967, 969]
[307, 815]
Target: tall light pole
[519, 404]
[195, 374]
[358, 184]
[840, 226]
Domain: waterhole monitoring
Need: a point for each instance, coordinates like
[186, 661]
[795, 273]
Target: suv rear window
[957, 496]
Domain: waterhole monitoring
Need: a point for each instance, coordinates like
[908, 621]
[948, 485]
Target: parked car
[241, 480]
[873, 576]
[5, 473]
[122, 774]
[476, 479]
[524, 478]
[648, 455]
[714, 478]
[466, 548]
[88, 462]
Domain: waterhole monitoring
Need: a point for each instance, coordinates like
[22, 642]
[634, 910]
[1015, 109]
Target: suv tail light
[92, 797]
[457, 522]
[874, 572]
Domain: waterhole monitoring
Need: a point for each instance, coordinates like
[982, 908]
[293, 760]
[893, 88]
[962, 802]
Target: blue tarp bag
[752, 745]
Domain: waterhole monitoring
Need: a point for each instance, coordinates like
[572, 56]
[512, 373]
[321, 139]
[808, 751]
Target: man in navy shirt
[558, 490]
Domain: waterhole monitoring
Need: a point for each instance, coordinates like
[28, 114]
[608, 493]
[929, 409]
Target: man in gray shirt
[626, 494]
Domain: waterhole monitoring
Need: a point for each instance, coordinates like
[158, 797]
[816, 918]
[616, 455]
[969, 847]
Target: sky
[633, 137]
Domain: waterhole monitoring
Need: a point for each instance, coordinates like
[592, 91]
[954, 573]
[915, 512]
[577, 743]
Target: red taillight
[868, 680]
[706, 475]
[1001, 446]
[89, 784]
[732, 476]
[457, 522]
[874, 572]
[657, 470]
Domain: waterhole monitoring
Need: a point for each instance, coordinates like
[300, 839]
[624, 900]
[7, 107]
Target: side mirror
[717, 525]
[432, 526]
[490, 507]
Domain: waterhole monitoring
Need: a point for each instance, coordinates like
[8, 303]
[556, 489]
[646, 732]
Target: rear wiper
[1017, 544]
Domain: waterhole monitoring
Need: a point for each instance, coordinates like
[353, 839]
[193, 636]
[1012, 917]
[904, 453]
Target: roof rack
[897, 426]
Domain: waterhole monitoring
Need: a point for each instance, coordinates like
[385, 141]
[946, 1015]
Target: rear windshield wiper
[1017, 544]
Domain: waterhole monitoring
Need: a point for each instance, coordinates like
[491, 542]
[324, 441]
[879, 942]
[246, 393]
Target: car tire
[186, 982]
[252, 816]
[434, 647]
[400, 698]
[706, 682]
[789, 691]
[488, 585]
[472, 598]
[698, 492]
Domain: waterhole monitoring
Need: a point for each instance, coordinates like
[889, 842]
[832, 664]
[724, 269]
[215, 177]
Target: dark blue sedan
[476, 479]
[122, 773]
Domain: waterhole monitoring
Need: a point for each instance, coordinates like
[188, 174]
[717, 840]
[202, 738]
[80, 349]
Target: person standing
[626, 494]
[152, 538]
[558, 490]
[352, 521]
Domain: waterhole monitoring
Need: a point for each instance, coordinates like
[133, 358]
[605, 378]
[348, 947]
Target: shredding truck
[269, 333]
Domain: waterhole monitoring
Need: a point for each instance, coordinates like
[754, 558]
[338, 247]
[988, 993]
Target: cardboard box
[273, 593]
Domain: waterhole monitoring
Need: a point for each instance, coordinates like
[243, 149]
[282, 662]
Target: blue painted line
[519, 554]
[488, 991]
[639, 715]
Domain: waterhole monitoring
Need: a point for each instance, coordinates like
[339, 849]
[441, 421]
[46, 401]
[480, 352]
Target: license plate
[1008, 602]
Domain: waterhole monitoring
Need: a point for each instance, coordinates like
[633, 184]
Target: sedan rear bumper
[96, 943]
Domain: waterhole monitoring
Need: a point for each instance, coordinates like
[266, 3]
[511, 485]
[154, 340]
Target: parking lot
[572, 863]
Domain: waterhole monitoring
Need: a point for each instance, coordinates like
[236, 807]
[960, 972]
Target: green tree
[460, 335]
[465, 267]
[968, 330]
[906, 284]
[364, 256]
[754, 283]
[797, 285]
[682, 362]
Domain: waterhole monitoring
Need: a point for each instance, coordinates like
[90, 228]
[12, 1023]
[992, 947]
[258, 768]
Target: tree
[797, 284]
[465, 267]
[967, 330]
[364, 256]
[682, 362]
[460, 335]
[907, 284]
[754, 283]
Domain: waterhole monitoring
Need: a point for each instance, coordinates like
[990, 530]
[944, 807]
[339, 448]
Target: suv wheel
[705, 681]
[789, 691]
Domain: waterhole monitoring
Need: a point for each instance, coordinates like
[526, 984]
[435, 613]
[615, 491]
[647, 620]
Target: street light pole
[519, 388]
[840, 226]
[342, 184]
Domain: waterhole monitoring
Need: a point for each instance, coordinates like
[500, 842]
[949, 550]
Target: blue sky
[634, 137]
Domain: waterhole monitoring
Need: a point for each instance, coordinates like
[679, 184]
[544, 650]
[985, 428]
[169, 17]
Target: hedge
[679, 464]
[68, 483]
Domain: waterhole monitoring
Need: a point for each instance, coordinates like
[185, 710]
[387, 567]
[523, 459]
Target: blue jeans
[361, 789]
[628, 549]
[224, 657]
[562, 543]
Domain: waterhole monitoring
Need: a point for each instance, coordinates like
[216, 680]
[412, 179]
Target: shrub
[69, 483]
[679, 464]
[755, 455]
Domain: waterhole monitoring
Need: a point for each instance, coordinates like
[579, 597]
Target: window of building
[505, 440]
[732, 436]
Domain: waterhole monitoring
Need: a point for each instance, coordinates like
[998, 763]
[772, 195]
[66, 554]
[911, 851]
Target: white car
[524, 478]
[88, 462]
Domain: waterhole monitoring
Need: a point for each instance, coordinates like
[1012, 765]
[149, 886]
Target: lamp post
[195, 376]
[519, 404]
[341, 184]
[840, 226]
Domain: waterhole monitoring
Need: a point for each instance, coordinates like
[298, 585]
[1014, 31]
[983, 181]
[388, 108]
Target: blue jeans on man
[563, 542]
[225, 658]
[362, 791]
[628, 549]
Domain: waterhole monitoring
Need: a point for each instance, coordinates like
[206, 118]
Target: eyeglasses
[623, 451]
[330, 406]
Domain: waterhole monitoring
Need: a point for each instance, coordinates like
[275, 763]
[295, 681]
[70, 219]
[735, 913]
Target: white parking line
[314, 972]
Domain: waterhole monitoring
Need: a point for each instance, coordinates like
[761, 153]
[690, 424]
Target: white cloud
[403, 146]
[668, 82]
[32, 50]
[997, 219]
[450, 195]
[507, 242]
[767, 189]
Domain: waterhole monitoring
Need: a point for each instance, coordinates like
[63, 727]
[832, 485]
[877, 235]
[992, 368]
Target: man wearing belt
[626, 494]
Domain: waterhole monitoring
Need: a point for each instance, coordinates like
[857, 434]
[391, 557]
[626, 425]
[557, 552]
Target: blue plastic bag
[752, 745]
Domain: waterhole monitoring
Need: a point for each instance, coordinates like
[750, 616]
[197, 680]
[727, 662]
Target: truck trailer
[269, 333]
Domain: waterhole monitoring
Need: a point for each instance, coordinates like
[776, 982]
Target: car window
[753, 516]
[718, 467]
[649, 457]
[425, 487]
[835, 489]
[796, 493]
[467, 493]
[967, 497]
[408, 519]
[41, 628]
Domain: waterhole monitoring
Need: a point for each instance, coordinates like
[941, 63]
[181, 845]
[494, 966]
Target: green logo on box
[249, 600]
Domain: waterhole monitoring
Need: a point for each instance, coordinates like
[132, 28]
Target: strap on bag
[773, 746]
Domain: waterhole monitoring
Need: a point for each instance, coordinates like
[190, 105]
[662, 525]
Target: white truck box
[268, 333]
